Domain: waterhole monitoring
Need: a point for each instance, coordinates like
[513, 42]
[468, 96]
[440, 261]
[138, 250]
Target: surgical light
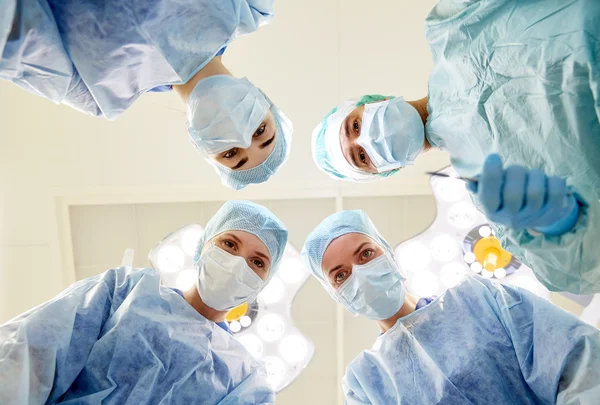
[252, 343]
[485, 231]
[444, 248]
[452, 274]
[293, 348]
[275, 370]
[500, 273]
[270, 327]
[476, 267]
[170, 259]
[462, 215]
[190, 239]
[412, 257]
[273, 292]
[235, 326]
[469, 257]
[245, 321]
[186, 279]
[292, 270]
[424, 284]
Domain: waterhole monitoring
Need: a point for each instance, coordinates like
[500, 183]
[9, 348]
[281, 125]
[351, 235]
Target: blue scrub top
[223, 325]
[168, 87]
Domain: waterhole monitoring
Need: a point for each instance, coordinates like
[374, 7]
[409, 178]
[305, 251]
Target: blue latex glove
[525, 199]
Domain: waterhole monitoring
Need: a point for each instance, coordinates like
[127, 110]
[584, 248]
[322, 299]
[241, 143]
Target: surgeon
[100, 56]
[123, 338]
[480, 342]
[514, 98]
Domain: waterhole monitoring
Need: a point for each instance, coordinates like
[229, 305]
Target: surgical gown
[521, 78]
[480, 343]
[100, 56]
[122, 338]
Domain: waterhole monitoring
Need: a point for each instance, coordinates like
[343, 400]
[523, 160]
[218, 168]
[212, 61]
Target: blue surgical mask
[392, 133]
[374, 290]
[224, 112]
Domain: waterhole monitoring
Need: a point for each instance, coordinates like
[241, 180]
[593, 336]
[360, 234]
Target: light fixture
[271, 327]
[424, 284]
[412, 256]
[186, 279]
[444, 248]
[273, 292]
[293, 348]
[170, 259]
[462, 215]
[252, 343]
[264, 327]
[275, 371]
[292, 270]
[469, 257]
[245, 321]
[452, 274]
[485, 231]
[190, 239]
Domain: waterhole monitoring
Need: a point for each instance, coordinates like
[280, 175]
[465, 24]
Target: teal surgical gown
[480, 343]
[521, 78]
[122, 338]
[99, 56]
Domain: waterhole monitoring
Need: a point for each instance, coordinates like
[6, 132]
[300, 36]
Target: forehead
[342, 248]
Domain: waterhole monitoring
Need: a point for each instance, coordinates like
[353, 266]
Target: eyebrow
[232, 236]
[353, 158]
[339, 266]
[345, 133]
[241, 163]
[260, 254]
[267, 143]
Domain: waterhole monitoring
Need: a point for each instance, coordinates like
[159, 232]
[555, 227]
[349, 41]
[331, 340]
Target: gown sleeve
[353, 392]
[254, 389]
[559, 355]
[43, 350]
[33, 57]
[568, 262]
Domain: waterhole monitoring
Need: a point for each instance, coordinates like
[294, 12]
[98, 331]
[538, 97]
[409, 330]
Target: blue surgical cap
[326, 147]
[252, 218]
[332, 227]
[238, 179]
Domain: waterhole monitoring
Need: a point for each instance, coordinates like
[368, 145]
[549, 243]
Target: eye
[228, 244]
[258, 263]
[340, 277]
[366, 253]
[261, 130]
[356, 126]
[230, 153]
[362, 156]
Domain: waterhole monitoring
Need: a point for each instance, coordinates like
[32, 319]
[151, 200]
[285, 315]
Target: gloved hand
[525, 199]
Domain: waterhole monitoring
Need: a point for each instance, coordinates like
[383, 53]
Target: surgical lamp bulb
[170, 259]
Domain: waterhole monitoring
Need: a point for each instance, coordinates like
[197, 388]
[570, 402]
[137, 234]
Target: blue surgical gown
[100, 56]
[122, 338]
[521, 78]
[480, 343]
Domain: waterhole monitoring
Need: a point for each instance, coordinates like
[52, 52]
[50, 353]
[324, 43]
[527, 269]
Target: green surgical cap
[372, 98]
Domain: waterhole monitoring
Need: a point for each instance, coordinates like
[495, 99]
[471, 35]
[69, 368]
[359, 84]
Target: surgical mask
[225, 281]
[224, 112]
[392, 134]
[374, 290]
